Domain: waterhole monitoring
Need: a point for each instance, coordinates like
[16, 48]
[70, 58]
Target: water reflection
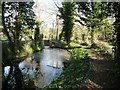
[7, 70]
[51, 65]
[38, 70]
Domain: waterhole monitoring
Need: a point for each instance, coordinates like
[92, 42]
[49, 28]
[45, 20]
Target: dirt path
[102, 74]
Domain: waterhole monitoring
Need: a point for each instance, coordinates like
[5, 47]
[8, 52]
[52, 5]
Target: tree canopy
[18, 20]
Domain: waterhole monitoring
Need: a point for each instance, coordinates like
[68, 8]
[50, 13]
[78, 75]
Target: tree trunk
[18, 77]
[92, 37]
[117, 46]
[117, 30]
[4, 26]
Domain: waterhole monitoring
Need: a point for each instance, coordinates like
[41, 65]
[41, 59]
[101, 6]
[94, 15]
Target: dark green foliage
[67, 14]
[37, 42]
[93, 12]
[17, 22]
[92, 15]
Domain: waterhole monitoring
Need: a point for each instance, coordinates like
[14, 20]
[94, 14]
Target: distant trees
[92, 14]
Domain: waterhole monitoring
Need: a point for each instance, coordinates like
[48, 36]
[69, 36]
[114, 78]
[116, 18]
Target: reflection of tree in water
[8, 80]
[14, 79]
[17, 80]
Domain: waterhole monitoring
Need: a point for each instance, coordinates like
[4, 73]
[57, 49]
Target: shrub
[78, 53]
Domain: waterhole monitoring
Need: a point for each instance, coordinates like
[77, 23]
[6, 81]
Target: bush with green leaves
[78, 53]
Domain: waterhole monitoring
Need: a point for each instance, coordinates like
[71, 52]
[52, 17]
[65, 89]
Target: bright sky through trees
[46, 11]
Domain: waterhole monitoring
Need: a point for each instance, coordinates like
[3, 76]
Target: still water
[42, 67]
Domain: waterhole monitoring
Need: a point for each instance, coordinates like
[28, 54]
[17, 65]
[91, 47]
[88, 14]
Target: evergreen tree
[67, 14]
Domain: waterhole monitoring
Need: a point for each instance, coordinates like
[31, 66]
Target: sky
[46, 11]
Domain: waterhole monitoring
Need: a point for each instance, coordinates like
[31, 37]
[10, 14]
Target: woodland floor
[103, 74]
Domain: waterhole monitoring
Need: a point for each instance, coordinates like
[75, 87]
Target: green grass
[74, 76]
[78, 53]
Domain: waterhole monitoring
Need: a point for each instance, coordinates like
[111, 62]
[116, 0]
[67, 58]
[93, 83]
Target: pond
[37, 71]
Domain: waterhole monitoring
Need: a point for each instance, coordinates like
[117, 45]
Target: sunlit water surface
[43, 66]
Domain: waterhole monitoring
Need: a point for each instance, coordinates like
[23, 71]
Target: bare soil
[103, 73]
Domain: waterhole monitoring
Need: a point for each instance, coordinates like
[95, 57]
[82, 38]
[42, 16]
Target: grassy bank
[74, 76]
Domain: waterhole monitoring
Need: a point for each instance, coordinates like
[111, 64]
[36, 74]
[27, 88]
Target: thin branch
[56, 4]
